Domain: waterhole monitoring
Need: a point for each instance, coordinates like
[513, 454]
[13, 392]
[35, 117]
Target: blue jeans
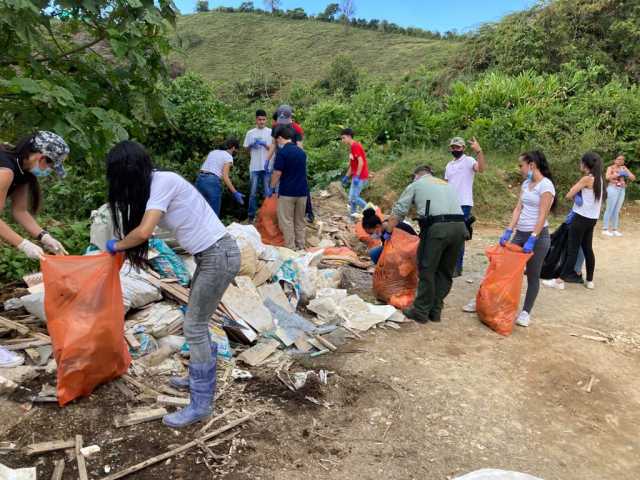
[210, 186]
[615, 199]
[355, 201]
[375, 253]
[257, 178]
[466, 211]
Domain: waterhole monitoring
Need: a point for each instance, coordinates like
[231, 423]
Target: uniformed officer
[442, 235]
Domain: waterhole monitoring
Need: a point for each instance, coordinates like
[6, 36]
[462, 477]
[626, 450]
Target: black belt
[202, 172]
[446, 219]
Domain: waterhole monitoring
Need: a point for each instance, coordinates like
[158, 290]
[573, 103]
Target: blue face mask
[530, 175]
[38, 172]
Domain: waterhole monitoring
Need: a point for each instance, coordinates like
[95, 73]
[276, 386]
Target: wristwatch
[42, 234]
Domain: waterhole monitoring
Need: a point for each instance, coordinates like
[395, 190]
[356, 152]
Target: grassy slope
[235, 42]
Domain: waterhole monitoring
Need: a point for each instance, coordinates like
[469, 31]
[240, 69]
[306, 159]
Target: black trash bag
[557, 255]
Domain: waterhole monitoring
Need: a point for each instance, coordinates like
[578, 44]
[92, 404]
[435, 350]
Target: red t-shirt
[358, 151]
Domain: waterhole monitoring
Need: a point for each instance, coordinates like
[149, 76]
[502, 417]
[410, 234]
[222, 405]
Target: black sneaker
[574, 278]
[414, 315]
[457, 273]
[435, 316]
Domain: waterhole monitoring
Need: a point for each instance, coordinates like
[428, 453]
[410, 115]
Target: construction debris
[140, 416]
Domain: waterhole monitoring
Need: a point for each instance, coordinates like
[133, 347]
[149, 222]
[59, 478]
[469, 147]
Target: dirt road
[423, 402]
[438, 400]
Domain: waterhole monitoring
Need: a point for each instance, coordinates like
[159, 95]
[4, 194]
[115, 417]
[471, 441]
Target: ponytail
[593, 162]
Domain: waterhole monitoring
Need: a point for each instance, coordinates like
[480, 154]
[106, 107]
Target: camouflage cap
[53, 147]
[458, 142]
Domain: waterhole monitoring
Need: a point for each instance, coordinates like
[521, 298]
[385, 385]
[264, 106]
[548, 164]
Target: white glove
[31, 250]
[53, 245]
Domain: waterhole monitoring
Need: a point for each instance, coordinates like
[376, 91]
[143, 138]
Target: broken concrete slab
[20, 374]
[7, 473]
[276, 294]
[259, 353]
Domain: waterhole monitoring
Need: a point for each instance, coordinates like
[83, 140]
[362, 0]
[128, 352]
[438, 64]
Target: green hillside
[230, 46]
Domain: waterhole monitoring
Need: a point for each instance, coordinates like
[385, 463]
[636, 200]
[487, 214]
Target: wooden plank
[326, 343]
[27, 344]
[18, 327]
[82, 466]
[316, 344]
[159, 458]
[141, 416]
[139, 385]
[52, 446]
[33, 354]
[132, 340]
[172, 401]
[58, 470]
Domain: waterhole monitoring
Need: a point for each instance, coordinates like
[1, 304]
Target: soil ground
[423, 402]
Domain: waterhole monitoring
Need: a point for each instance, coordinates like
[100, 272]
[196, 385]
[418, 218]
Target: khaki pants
[291, 221]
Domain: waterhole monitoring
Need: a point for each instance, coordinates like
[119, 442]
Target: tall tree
[87, 69]
[202, 6]
[348, 10]
[273, 5]
[330, 12]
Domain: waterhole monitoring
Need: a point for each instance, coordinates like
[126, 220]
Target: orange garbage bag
[267, 222]
[395, 279]
[85, 318]
[364, 237]
[499, 294]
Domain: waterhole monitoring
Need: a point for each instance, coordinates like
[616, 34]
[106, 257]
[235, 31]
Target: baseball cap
[458, 142]
[285, 113]
[53, 147]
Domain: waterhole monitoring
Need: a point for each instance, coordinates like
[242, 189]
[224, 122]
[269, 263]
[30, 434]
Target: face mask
[530, 175]
[457, 153]
[38, 172]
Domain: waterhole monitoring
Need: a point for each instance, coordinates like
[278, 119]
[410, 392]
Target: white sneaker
[523, 319]
[616, 233]
[607, 233]
[553, 284]
[590, 285]
[8, 359]
[470, 307]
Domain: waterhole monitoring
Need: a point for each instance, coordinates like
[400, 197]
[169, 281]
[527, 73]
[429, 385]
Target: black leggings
[580, 235]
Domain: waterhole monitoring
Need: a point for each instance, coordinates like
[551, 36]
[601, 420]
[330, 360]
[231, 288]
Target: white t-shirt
[186, 213]
[215, 162]
[460, 174]
[531, 203]
[590, 207]
[258, 155]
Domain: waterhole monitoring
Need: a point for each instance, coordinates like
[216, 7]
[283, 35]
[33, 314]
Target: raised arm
[585, 181]
[481, 164]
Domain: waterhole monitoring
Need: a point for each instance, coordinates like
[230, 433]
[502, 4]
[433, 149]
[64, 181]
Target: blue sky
[436, 15]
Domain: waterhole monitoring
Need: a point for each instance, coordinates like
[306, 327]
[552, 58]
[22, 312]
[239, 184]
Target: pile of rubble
[283, 306]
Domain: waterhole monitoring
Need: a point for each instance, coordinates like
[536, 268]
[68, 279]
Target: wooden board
[11, 325]
[302, 344]
[82, 466]
[43, 447]
[139, 417]
[58, 470]
[172, 401]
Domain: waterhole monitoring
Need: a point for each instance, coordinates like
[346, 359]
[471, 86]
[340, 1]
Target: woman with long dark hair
[33, 156]
[587, 194]
[529, 219]
[142, 198]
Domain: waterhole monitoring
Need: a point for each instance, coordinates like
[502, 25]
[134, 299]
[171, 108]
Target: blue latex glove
[268, 191]
[111, 246]
[238, 197]
[570, 217]
[529, 244]
[623, 173]
[506, 236]
[578, 199]
[345, 180]
[356, 180]
[386, 235]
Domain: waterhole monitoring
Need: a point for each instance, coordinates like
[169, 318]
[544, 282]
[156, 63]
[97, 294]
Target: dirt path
[424, 402]
[450, 398]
